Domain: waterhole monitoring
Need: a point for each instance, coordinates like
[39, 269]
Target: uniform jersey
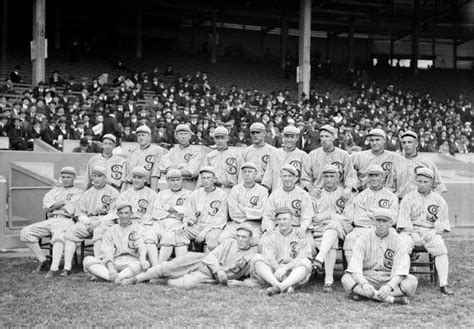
[169, 199]
[70, 195]
[387, 160]
[317, 159]
[235, 262]
[406, 169]
[226, 165]
[417, 210]
[379, 258]
[114, 165]
[277, 159]
[297, 200]
[96, 202]
[142, 201]
[247, 203]
[259, 156]
[207, 208]
[331, 203]
[147, 158]
[369, 200]
[188, 159]
[122, 241]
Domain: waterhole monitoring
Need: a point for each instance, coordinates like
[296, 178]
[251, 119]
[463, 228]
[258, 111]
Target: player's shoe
[51, 274]
[401, 300]
[317, 266]
[290, 290]
[446, 290]
[354, 297]
[327, 288]
[415, 256]
[129, 281]
[273, 291]
[42, 266]
[94, 278]
[64, 273]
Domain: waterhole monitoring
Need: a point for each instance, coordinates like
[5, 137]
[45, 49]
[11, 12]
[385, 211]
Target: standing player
[113, 164]
[376, 155]
[328, 154]
[290, 196]
[259, 152]
[60, 204]
[124, 253]
[246, 202]
[333, 221]
[206, 211]
[185, 157]
[146, 156]
[166, 220]
[95, 213]
[289, 154]
[224, 161]
[374, 197]
[285, 260]
[379, 269]
[409, 164]
[423, 219]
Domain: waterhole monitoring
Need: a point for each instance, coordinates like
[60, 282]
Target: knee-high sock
[100, 271]
[69, 250]
[329, 264]
[265, 272]
[297, 275]
[328, 240]
[165, 254]
[58, 248]
[36, 250]
[442, 266]
[152, 252]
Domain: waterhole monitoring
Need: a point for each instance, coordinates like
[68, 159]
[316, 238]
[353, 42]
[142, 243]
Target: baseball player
[409, 165]
[423, 219]
[246, 202]
[185, 157]
[285, 260]
[206, 211]
[333, 221]
[146, 156]
[226, 162]
[376, 155]
[95, 212]
[374, 197]
[141, 197]
[328, 154]
[290, 196]
[379, 268]
[259, 152]
[289, 154]
[226, 264]
[114, 164]
[166, 220]
[60, 205]
[124, 253]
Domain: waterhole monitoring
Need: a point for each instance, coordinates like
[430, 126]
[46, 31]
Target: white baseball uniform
[142, 202]
[259, 156]
[277, 159]
[187, 159]
[147, 158]
[114, 165]
[226, 165]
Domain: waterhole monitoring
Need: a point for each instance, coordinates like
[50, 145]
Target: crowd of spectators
[60, 109]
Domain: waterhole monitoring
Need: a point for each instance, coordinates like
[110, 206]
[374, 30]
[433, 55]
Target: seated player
[376, 196]
[93, 215]
[333, 221]
[60, 205]
[206, 211]
[226, 264]
[379, 267]
[123, 250]
[423, 219]
[285, 260]
[166, 220]
[246, 202]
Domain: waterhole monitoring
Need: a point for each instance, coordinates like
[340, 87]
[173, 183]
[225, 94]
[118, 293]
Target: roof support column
[214, 37]
[140, 29]
[304, 76]
[283, 42]
[415, 41]
[39, 44]
[350, 60]
[4, 37]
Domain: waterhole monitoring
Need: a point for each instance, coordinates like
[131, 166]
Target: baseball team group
[264, 217]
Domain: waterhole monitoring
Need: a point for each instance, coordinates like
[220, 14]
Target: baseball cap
[124, 204]
[375, 169]
[377, 132]
[99, 170]
[68, 170]
[110, 137]
[246, 227]
[327, 169]
[409, 133]
[173, 173]
[257, 126]
[425, 172]
[291, 130]
[208, 169]
[283, 210]
[249, 164]
[289, 168]
[221, 131]
[143, 129]
[139, 171]
[182, 127]
[382, 213]
[329, 129]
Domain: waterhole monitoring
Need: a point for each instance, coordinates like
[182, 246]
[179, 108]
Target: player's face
[143, 139]
[330, 179]
[108, 146]
[289, 141]
[175, 183]
[257, 136]
[424, 184]
[288, 180]
[243, 238]
[207, 179]
[327, 139]
[67, 179]
[284, 222]
[183, 137]
[125, 216]
[382, 226]
[409, 145]
[138, 181]
[375, 180]
[221, 141]
[98, 180]
[376, 143]
[249, 175]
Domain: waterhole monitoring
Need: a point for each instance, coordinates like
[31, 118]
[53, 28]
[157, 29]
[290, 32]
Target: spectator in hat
[15, 76]
[83, 146]
[17, 135]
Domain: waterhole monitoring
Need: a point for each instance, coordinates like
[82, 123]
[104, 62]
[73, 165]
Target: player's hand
[57, 205]
[417, 240]
[221, 277]
[384, 291]
[316, 193]
[369, 290]
[280, 273]
[113, 274]
[145, 264]
[202, 235]
[346, 195]
[429, 235]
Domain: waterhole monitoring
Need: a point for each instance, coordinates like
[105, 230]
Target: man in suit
[110, 124]
[17, 135]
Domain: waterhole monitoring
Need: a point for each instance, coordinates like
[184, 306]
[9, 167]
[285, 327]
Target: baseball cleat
[42, 266]
[401, 300]
[327, 288]
[317, 266]
[273, 291]
[51, 274]
[446, 290]
[354, 297]
[290, 290]
[129, 281]
[64, 273]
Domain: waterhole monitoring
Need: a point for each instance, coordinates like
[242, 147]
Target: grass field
[30, 300]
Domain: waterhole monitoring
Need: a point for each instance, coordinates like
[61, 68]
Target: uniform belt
[59, 216]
